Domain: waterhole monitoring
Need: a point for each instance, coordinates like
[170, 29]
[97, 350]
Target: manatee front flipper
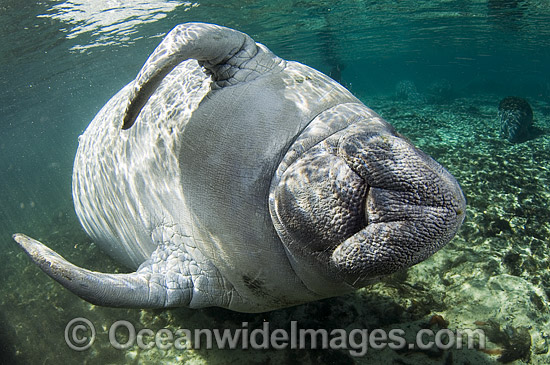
[228, 55]
[141, 289]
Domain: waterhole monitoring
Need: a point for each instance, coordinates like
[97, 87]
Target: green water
[61, 61]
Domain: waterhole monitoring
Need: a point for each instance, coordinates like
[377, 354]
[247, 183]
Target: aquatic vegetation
[439, 321]
[514, 342]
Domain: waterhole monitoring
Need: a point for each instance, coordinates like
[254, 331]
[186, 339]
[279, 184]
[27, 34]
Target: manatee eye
[320, 201]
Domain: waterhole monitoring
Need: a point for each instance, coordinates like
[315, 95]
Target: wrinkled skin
[230, 177]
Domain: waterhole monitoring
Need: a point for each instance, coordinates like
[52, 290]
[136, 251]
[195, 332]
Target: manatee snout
[367, 204]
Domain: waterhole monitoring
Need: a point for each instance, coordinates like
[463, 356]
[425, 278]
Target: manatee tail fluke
[228, 55]
[134, 290]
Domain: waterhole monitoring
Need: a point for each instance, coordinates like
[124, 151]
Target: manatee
[227, 176]
[516, 119]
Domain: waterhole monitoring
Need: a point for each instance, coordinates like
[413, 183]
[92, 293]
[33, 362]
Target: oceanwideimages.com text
[80, 335]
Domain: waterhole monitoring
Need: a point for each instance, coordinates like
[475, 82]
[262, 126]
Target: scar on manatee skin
[253, 284]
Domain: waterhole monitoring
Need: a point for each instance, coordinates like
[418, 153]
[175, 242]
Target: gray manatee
[230, 177]
[516, 119]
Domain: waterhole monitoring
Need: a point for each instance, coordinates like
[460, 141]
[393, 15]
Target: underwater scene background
[436, 70]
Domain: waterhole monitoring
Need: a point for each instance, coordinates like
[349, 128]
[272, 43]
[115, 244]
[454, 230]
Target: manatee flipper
[228, 55]
[141, 289]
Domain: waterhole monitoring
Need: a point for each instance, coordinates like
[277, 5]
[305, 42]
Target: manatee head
[361, 204]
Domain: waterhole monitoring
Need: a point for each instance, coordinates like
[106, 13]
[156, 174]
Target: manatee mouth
[413, 208]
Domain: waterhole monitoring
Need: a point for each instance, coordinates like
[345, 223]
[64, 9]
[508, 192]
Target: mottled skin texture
[516, 119]
[230, 177]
